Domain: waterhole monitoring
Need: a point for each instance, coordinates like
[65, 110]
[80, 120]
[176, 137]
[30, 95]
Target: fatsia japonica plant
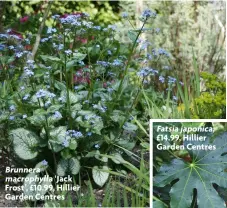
[195, 179]
[73, 105]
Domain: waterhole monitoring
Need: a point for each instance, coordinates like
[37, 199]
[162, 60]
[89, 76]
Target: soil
[3, 201]
[4, 162]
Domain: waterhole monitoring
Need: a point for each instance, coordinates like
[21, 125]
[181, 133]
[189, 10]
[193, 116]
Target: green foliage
[100, 176]
[102, 12]
[68, 167]
[25, 143]
[212, 102]
[73, 107]
[120, 190]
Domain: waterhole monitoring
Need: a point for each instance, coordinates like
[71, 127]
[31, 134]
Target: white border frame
[151, 143]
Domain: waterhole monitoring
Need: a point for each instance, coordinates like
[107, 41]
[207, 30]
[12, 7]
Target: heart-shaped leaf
[74, 61]
[57, 137]
[25, 143]
[70, 166]
[30, 183]
[100, 177]
[73, 97]
[208, 167]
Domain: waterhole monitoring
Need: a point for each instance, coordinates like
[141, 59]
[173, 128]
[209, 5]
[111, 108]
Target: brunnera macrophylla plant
[72, 107]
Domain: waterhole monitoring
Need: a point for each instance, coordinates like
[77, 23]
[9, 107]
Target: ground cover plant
[70, 108]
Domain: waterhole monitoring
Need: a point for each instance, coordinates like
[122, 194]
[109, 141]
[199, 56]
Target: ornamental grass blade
[208, 168]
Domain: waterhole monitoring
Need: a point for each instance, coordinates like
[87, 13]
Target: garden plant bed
[80, 83]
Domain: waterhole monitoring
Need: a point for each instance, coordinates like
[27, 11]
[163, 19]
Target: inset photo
[189, 164]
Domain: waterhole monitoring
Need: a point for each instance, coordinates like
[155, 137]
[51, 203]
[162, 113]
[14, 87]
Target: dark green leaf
[208, 168]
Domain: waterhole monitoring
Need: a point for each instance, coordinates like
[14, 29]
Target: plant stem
[67, 85]
[129, 60]
[46, 128]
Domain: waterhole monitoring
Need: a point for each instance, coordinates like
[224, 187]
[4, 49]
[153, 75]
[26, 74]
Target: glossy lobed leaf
[208, 168]
[158, 204]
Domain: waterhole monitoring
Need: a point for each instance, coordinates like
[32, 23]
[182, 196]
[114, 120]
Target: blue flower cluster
[100, 108]
[51, 30]
[115, 63]
[44, 94]
[171, 80]
[57, 115]
[91, 118]
[159, 52]
[26, 97]
[65, 143]
[145, 44]
[44, 163]
[146, 71]
[12, 108]
[74, 134]
[147, 13]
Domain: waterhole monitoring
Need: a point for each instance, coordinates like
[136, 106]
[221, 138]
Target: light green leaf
[69, 166]
[100, 176]
[75, 108]
[132, 35]
[66, 154]
[82, 94]
[57, 136]
[92, 153]
[72, 96]
[79, 56]
[29, 182]
[53, 108]
[85, 112]
[74, 61]
[117, 158]
[37, 120]
[59, 85]
[130, 127]
[126, 143]
[25, 143]
[92, 121]
[30, 186]
[51, 59]
[101, 158]
[117, 116]
[4, 116]
[72, 145]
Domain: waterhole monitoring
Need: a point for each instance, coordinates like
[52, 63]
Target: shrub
[74, 103]
[212, 102]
